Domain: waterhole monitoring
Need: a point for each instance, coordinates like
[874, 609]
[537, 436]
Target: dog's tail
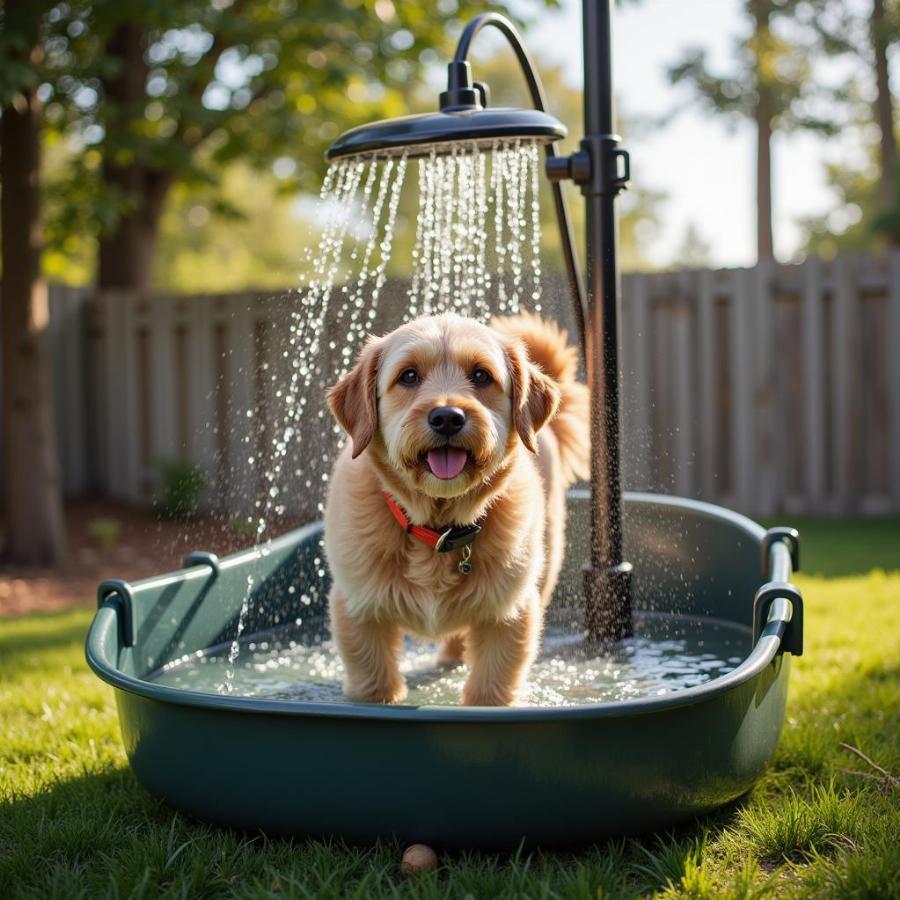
[547, 347]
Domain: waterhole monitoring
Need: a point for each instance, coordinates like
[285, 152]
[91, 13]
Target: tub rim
[763, 653]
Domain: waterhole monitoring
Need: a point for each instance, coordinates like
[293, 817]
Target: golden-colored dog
[447, 419]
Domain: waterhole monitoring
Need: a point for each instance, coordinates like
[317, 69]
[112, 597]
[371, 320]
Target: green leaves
[190, 87]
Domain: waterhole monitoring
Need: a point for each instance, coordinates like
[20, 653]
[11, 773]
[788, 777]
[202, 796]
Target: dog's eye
[409, 377]
[481, 377]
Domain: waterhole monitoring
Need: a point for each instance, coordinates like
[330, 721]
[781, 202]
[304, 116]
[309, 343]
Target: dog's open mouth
[446, 462]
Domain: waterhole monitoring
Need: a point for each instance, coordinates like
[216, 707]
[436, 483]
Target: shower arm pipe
[538, 99]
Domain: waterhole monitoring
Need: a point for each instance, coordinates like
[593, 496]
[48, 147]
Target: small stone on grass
[418, 858]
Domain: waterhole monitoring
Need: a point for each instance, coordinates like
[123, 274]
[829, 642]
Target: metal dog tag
[465, 566]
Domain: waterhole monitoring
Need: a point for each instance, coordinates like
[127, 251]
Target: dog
[445, 516]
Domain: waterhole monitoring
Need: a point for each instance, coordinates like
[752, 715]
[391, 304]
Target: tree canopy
[141, 96]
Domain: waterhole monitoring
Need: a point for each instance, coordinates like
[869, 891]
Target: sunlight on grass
[73, 822]
[798, 828]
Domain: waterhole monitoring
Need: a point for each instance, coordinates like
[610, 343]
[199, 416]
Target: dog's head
[443, 401]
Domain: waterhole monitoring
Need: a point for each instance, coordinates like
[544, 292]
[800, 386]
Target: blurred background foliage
[167, 122]
[183, 138]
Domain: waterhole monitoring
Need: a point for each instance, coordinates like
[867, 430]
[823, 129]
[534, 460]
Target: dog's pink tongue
[446, 462]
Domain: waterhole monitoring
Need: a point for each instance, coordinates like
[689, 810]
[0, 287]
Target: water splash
[475, 248]
[668, 653]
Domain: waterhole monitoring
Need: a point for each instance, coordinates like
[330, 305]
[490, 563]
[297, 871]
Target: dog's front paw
[480, 695]
[370, 692]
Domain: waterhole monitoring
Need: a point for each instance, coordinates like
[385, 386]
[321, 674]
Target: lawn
[821, 822]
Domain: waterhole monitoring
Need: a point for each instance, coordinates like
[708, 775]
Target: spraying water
[454, 268]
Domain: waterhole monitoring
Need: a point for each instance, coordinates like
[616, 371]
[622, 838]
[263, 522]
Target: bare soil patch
[109, 539]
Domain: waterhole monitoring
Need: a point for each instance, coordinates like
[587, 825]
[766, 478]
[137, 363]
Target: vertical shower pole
[607, 577]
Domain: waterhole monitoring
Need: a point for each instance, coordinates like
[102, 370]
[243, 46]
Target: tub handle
[117, 593]
[790, 537]
[778, 610]
[202, 558]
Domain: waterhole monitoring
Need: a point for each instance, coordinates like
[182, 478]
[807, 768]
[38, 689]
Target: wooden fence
[772, 390]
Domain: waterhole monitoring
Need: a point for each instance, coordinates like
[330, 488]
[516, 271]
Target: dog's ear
[354, 401]
[535, 397]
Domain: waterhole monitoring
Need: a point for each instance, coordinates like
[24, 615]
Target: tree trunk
[126, 254]
[884, 112]
[763, 114]
[765, 242]
[35, 533]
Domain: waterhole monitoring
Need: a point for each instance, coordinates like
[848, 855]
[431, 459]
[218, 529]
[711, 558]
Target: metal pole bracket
[595, 166]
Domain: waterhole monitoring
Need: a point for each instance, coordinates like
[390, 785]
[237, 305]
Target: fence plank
[767, 456]
[639, 415]
[685, 425]
[706, 364]
[893, 339]
[844, 358]
[201, 440]
[162, 392]
[240, 403]
[814, 384]
[627, 387]
[119, 421]
[742, 421]
[66, 310]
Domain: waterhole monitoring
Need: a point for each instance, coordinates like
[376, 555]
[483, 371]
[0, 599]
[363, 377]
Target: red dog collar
[442, 541]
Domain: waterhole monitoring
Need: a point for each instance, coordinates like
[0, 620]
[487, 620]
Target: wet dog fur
[526, 441]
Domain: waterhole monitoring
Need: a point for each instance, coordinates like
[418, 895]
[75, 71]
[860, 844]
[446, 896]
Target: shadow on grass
[103, 829]
[101, 834]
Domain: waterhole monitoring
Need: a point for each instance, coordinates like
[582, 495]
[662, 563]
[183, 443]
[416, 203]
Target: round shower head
[440, 132]
[464, 118]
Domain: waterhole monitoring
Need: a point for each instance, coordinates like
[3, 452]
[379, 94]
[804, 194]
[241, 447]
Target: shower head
[464, 118]
[442, 131]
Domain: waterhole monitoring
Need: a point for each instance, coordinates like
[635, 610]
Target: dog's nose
[446, 420]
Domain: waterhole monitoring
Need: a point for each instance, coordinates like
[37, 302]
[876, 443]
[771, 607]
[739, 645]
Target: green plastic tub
[451, 776]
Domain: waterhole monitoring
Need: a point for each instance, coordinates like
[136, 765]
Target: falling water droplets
[478, 235]
[476, 250]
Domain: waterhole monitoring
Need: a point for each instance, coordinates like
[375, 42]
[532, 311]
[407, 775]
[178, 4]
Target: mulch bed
[144, 545]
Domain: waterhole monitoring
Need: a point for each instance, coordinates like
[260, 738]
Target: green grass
[74, 823]
[834, 547]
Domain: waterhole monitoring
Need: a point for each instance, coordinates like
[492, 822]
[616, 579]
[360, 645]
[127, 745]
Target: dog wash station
[478, 777]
